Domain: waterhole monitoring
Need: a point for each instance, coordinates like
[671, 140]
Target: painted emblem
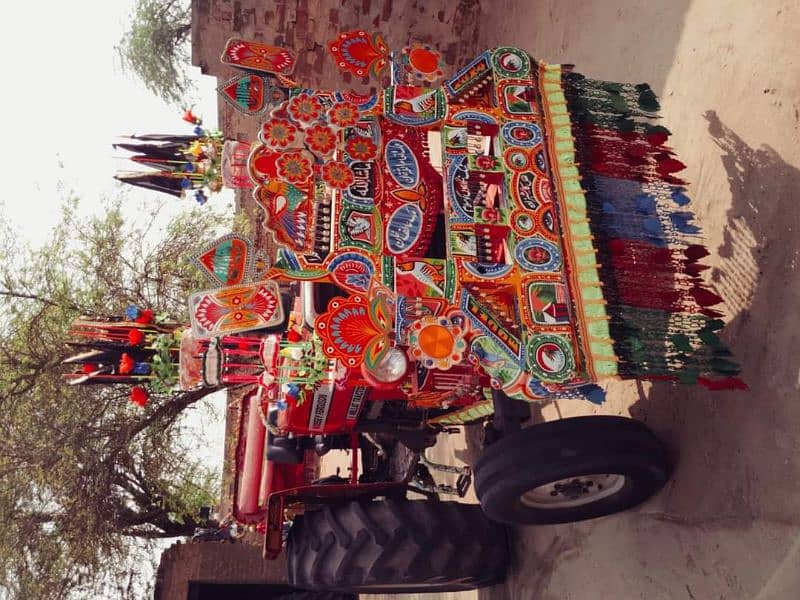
[517, 98]
[366, 103]
[288, 211]
[360, 53]
[438, 342]
[403, 228]
[421, 62]
[352, 270]
[535, 254]
[363, 189]
[518, 133]
[255, 56]
[487, 270]
[548, 303]
[523, 187]
[235, 309]
[414, 106]
[510, 63]
[358, 228]
[355, 330]
[420, 278]
[261, 164]
[470, 77]
[227, 260]
[251, 94]
[550, 358]
[401, 163]
[458, 188]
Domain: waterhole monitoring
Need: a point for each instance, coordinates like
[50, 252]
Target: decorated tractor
[447, 255]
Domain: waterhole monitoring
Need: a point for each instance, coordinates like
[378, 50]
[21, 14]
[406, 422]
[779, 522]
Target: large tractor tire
[396, 546]
[570, 470]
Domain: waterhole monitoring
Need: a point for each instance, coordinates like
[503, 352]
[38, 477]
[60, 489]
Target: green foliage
[82, 470]
[156, 47]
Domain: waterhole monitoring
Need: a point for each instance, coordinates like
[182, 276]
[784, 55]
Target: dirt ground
[727, 526]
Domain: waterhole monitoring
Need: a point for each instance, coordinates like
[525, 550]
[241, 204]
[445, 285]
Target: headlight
[390, 369]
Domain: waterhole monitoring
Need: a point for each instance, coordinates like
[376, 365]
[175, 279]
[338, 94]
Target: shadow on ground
[738, 454]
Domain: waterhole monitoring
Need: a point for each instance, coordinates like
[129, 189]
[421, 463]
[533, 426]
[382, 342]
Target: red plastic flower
[294, 167]
[278, 133]
[126, 364]
[139, 396]
[320, 139]
[343, 114]
[135, 337]
[337, 175]
[361, 148]
[305, 108]
[145, 317]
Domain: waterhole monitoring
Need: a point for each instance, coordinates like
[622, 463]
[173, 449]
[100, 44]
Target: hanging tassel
[728, 383]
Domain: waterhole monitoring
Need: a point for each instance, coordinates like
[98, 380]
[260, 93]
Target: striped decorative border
[583, 273]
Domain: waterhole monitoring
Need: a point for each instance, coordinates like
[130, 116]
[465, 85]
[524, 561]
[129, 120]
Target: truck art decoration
[447, 254]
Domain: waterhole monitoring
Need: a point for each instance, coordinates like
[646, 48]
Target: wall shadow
[618, 40]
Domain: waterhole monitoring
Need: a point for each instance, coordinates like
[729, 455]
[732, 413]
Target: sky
[58, 132]
[59, 137]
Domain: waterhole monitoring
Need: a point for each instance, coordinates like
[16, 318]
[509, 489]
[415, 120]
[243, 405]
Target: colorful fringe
[648, 251]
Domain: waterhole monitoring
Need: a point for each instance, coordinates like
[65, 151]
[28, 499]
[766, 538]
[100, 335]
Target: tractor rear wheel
[396, 546]
[570, 470]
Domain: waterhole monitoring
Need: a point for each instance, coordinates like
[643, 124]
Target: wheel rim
[574, 491]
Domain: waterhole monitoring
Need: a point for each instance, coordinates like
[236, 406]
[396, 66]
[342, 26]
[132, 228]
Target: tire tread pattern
[394, 546]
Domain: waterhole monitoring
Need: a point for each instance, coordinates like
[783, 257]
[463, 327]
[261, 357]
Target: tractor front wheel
[570, 470]
[396, 546]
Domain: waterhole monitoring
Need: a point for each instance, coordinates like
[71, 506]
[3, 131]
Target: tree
[83, 471]
[156, 47]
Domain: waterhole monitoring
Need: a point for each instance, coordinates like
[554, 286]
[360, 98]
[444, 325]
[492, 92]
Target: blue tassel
[682, 222]
[593, 393]
[679, 198]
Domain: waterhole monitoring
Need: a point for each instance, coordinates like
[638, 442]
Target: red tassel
[657, 138]
[705, 297]
[668, 165]
[695, 269]
[728, 383]
[695, 252]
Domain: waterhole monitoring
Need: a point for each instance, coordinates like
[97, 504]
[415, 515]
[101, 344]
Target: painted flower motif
[278, 133]
[337, 175]
[305, 108]
[343, 114]
[294, 167]
[320, 139]
[361, 148]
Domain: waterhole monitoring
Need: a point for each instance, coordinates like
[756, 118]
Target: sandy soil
[727, 525]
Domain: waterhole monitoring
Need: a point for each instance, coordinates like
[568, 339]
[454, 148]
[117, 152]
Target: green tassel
[724, 367]
[648, 101]
[681, 342]
[714, 324]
